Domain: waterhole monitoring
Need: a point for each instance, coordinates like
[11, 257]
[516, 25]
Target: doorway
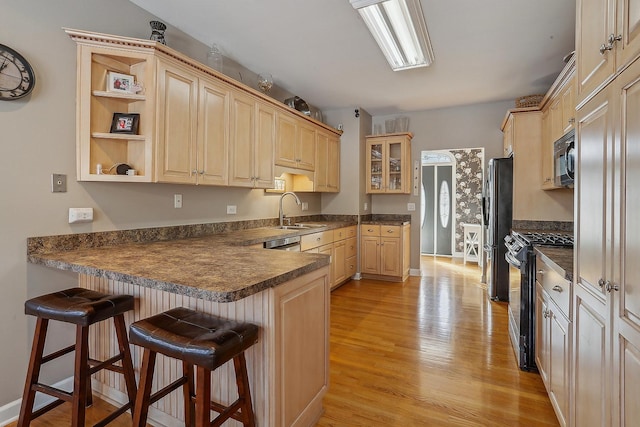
[437, 200]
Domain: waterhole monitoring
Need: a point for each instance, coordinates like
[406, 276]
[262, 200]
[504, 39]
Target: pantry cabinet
[607, 289]
[388, 163]
[384, 251]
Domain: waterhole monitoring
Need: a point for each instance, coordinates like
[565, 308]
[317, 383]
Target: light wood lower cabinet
[384, 251]
[340, 244]
[288, 367]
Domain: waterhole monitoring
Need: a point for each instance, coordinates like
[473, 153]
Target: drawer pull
[369, 230]
[557, 288]
[541, 272]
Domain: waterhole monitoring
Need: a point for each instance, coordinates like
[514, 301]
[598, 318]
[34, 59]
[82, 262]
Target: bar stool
[203, 341]
[82, 307]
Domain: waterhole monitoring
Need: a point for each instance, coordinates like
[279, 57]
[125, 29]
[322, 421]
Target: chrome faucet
[281, 213]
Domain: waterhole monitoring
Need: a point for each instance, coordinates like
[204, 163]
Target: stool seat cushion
[197, 338]
[77, 305]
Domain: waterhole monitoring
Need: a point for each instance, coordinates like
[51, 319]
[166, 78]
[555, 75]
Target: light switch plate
[58, 183]
[411, 206]
[231, 209]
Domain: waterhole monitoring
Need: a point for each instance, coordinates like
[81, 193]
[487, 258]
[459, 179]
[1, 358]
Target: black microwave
[564, 160]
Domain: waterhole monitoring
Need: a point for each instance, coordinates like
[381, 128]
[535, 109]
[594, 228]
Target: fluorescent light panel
[399, 28]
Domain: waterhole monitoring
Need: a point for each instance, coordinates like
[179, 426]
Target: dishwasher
[291, 244]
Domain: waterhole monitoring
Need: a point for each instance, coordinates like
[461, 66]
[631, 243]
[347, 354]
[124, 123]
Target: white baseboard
[357, 276]
[415, 272]
[9, 412]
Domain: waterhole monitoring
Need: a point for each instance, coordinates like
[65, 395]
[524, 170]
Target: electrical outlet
[411, 206]
[177, 201]
[305, 206]
[231, 209]
[80, 215]
[58, 183]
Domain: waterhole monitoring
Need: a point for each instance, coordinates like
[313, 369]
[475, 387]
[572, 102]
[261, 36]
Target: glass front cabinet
[389, 163]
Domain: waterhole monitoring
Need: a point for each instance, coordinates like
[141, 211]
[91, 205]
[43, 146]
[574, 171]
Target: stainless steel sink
[299, 226]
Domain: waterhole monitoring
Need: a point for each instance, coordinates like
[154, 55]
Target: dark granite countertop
[558, 258]
[386, 222]
[217, 267]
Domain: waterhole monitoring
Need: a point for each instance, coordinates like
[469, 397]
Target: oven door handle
[512, 260]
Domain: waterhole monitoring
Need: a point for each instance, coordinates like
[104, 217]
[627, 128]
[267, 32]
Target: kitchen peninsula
[227, 274]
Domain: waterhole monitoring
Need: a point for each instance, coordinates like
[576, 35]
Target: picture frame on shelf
[126, 123]
[118, 82]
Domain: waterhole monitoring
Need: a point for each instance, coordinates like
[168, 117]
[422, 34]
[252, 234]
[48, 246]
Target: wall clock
[17, 78]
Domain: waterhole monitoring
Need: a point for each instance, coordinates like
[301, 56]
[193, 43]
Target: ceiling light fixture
[399, 28]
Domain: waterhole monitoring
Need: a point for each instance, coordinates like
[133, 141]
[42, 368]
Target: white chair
[472, 243]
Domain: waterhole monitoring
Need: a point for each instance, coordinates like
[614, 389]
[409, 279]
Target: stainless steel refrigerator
[497, 206]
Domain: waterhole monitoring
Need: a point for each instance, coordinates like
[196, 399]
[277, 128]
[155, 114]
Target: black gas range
[522, 288]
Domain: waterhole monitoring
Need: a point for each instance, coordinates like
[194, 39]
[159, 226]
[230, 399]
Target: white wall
[38, 138]
[461, 127]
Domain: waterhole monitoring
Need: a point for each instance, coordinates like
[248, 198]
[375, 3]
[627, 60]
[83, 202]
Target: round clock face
[16, 75]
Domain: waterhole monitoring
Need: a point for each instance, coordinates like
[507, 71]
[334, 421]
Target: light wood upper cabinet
[546, 151]
[296, 143]
[327, 170]
[389, 163]
[96, 145]
[192, 134]
[606, 41]
[196, 126]
[253, 136]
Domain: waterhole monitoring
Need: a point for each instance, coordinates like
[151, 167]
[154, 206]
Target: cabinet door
[396, 166]
[306, 147]
[546, 150]
[542, 335]
[626, 296]
[507, 137]
[338, 262]
[555, 115]
[592, 366]
[568, 106]
[333, 166]
[321, 178]
[595, 22]
[375, 152]
[286, 141]
[177, 121]
[628, 29]
[213, 134]
[593, 187]
[264, 146]
[559, 370]
[241, 161]
[370, 254]
[390, 260]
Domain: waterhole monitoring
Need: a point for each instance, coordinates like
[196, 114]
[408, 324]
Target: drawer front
[315, 240]
[339, 234]
[558, 288]
[351, 248]
[352, 231]
[351, 266]
[370, 230]
[390, 231]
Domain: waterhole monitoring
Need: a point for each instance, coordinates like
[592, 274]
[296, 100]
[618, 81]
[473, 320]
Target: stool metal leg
[35, 360]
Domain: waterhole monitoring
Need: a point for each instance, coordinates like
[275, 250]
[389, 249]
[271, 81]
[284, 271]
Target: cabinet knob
[389, 231]
[601, 283]
[545, 314]
[613, 38]
[611, 287]
[557, 288]
[194, 172]
[202, 172]
[605, 47]
[541, 272]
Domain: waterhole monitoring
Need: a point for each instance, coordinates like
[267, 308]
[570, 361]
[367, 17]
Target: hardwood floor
[432, 351]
